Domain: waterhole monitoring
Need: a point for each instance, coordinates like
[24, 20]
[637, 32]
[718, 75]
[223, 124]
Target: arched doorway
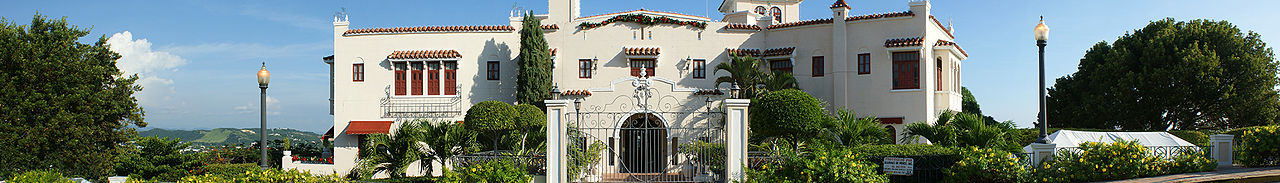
[643, 138]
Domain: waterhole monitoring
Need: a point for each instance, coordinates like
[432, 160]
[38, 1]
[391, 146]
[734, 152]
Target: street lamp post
[1042, 38]
[264, 77]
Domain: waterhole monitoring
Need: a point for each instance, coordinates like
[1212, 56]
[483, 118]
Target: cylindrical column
[262, 132]
[1043, 115]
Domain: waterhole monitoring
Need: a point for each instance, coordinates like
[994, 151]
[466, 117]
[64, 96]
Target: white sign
[899, 166]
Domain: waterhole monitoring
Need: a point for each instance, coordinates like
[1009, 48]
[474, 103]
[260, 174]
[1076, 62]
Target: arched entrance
[643, 137]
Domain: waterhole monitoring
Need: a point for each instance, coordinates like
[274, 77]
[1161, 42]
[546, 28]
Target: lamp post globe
[264, 77]
[1042, 39]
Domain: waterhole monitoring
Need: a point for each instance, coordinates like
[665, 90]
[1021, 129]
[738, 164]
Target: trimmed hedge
[786, 113]
[490, 117]
[529, 116]
[1194, 137]
[874, 151]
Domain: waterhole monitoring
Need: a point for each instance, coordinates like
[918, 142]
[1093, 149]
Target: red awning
[890, 121]
[327, 135]
[368, 127]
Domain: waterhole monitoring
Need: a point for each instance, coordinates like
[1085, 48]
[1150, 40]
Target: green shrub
[1194, 137]
[39, 176]
[986, 165]
[491, 172]
[1118, 160]
[853, 130]
[822, 166]
[904, 150]
[492, 118]
[265, 176]
[1260, 146]
[786, 113]
[230, 169]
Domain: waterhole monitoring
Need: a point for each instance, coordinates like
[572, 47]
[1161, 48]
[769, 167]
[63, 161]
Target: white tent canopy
[1069, 138]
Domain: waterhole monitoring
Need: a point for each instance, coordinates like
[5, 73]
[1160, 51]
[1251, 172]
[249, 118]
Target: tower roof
[840, 4]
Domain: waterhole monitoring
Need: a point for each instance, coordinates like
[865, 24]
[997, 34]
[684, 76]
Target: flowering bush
[265, 176]
[1260, 147]
[39, 176]
[1117, 160]
[501, 171]
[986, 165]
[821, 166]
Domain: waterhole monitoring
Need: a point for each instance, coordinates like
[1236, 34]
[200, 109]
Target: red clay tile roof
[944, 29]
[784, 51]
[708, 92]
[904, 42]
[641, 10]
[801, 23]
[742, 27]
[577, 92]
[424, 54]
[460, 28]
[949, 43]
[879, 16]
[840, 4]
[642, 51]
[743, 51]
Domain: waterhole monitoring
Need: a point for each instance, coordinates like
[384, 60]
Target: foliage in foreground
[1188, 75]
[40, 176]
[790, 113]
[986, 165]
[155, 158]
[821, 165]
[1260, 147]
[964, 130]
[264, 176]
[63, 104]
[500, 171]
[398, 151]
[1114, 161]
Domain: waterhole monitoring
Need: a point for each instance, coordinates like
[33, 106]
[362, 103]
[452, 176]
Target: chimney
[563, 10]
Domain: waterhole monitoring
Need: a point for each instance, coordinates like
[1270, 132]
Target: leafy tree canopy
[787, 113]
[63, 104]
[159, 159]
[1170, 75]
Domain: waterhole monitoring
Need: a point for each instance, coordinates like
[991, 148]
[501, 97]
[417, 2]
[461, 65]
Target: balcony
[420, 106]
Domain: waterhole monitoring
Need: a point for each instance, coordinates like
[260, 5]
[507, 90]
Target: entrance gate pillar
[737, 129]
[556, 141]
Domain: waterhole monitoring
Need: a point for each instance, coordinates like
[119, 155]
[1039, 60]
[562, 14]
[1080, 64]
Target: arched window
[777, 13]
[760, 10]
[939, 75]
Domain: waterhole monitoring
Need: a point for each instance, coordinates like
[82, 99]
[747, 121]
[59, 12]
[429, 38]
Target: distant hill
[234, 136]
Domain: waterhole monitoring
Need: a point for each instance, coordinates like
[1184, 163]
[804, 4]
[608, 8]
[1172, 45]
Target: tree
[744, 71]
[63, 104]
[492, 118]
[531, 125]
[533, 82]
[963, 130]
[1170, 75]
[447, 139]
[969, 104]
[778, 80]
[397, 150]
[788, 113]
[158, 159]
[853, 130]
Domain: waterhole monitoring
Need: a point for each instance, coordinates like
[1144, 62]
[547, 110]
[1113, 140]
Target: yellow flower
[1104, 170]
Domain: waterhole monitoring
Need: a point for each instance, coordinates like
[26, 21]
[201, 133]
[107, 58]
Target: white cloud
[252, 51]
[273, 107]
[137, 57]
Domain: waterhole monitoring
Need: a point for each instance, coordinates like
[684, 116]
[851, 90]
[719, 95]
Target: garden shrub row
[265, 176]
[1259, 146]
[1096, 162]
[820, 165]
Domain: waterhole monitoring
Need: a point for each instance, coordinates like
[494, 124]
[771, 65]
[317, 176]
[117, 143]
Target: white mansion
[901, 67]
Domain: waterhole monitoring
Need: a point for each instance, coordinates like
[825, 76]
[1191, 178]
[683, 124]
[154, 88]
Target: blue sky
[198, 58]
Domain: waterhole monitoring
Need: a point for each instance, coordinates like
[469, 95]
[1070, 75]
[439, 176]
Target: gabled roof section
[440, 29]
[743, 51]
[642, 50]
[944, 28]
[649, 12]
[949, 43]
[840, 4]
[903, 42]
[881, 15]
[423, 54]
[783, 51]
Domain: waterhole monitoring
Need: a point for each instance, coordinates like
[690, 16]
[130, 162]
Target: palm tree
[963, 130]
[778, 80]
[853, 130]
[397, 151]
[447, 139]
[743, 71]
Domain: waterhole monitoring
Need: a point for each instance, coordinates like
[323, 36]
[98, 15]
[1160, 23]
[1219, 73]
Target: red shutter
[635, 70]
[416, 76]
[450, 78]
[650, 69]
[400, 79]
[433, 78]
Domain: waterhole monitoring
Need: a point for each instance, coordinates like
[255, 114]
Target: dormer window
[777, 14]
[760, 10]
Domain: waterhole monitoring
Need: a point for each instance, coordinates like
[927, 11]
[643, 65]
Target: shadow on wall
[483, 89]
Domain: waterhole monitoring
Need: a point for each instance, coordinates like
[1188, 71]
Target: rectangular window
[493, 70]
[357, 72]
[584, 68]
[938, 74]
[780, 65]
[864, 63]
[818, 67]
[400, 78]
[906, 70]
[415, 75]
[645, 65]
[699, 69]
[450, 78]
[433, 78]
